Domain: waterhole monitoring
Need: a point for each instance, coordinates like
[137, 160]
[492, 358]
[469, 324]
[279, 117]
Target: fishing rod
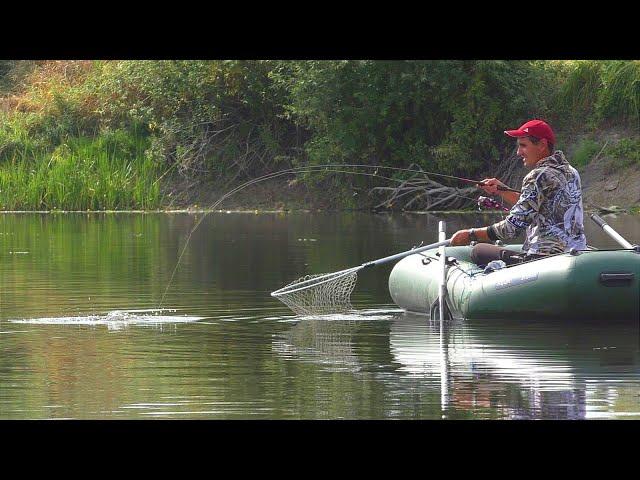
[312, 168]
[383, 167]
[269, 176]
[476, 182]
[462, 179]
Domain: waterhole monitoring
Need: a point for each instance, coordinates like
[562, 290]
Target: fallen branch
[595, 159]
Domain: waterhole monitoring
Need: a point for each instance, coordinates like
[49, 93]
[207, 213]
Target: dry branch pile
[419, 192]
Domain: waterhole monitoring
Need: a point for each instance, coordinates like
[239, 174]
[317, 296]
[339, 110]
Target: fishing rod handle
[503, 188]
[398, 256]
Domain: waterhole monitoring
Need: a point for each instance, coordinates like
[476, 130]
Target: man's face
[530, 152]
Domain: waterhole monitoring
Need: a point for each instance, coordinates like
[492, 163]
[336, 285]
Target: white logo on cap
[526, 129]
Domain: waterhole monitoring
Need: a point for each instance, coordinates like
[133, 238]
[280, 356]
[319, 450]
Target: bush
[619, 98]
[204, 116]
[576, 96]
[446, 116]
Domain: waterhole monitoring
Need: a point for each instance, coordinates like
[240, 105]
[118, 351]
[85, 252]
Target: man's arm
[463, 237]
[526, 207]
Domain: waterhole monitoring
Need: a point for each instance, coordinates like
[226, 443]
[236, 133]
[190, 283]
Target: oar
[612, 233]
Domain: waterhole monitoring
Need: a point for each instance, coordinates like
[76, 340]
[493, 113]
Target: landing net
[320, 294]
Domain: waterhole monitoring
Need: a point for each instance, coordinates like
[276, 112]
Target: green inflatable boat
[591, 284]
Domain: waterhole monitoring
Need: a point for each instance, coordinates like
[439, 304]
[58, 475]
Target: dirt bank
[606, 188]
[273, 194]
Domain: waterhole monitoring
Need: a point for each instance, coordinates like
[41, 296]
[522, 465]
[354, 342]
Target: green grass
[620, 97]
[577, 94]
[110, 171]
[597, 92]
[624, 154]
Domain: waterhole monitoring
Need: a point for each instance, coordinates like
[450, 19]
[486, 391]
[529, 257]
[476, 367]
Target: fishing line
[333, 168]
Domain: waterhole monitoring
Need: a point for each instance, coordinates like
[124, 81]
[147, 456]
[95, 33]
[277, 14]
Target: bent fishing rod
[376, 167]
[468, 180]
[424, 172]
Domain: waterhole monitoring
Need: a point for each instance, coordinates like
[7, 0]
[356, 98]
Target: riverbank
[611, 176]
[279, 198]
[617, 192]
[605, 158]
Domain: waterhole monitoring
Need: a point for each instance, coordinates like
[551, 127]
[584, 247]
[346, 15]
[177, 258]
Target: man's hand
[490, 186]
[461, 237]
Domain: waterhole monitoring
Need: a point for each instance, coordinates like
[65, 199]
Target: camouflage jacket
[549, 208]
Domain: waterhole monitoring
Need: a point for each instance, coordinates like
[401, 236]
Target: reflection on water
[82, 334]
[321, 343]
[500, 371]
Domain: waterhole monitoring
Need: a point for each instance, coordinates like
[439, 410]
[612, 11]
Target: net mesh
[320, 294]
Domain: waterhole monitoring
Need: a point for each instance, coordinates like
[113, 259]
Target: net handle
[398, 256]
[333, 276]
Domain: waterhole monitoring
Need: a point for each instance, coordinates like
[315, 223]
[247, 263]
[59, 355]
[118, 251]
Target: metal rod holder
[442, 226]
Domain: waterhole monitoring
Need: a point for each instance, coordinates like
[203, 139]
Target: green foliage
[233, 120]
[620, 97]
[203, 116]
[576, 98]
[627, 148]
[443, 115]
[598, 92]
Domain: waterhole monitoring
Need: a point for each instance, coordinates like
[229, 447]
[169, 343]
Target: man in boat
[549, 209]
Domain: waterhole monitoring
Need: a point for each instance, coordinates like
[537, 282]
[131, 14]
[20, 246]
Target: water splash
[116, 319]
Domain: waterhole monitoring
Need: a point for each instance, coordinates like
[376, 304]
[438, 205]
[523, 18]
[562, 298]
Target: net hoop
[317, 280]
[320, 294]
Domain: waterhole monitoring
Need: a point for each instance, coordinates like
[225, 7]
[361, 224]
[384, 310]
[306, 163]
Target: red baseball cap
[535, 128]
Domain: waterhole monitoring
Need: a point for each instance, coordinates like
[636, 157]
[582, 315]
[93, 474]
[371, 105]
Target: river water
[87, 332]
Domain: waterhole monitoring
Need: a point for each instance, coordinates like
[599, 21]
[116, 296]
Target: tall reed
[599, 92]
[620, 97]
[108, 172]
